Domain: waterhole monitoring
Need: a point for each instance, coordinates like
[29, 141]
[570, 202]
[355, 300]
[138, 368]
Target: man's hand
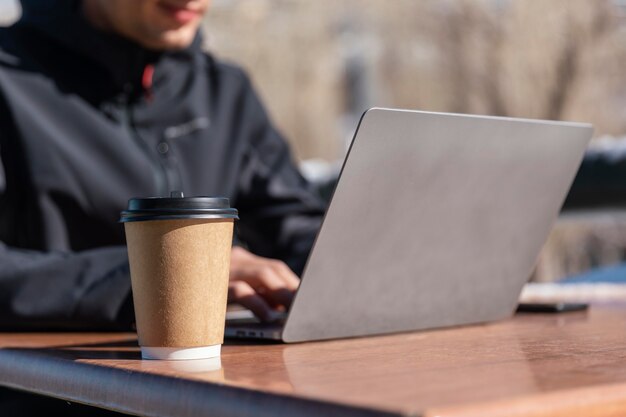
[262, 285]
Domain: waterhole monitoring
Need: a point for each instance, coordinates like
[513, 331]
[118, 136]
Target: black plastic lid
[178, 207]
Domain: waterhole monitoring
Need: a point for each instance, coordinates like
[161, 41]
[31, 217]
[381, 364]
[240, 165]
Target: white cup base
[180, 353]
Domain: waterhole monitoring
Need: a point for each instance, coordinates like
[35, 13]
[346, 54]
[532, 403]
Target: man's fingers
[268, 284]
[288, 276]
[242, 293]
[271, 280]
[282, 271]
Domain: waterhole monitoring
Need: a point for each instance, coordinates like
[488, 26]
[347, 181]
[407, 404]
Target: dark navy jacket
[89, 120]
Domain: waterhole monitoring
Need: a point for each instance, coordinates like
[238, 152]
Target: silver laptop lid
[437, 220]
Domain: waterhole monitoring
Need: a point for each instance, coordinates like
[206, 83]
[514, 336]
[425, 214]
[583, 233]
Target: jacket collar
[123, 59]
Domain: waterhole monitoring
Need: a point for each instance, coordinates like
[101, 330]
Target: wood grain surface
[570, 364]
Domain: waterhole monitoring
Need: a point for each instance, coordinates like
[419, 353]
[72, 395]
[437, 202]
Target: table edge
[125, 391]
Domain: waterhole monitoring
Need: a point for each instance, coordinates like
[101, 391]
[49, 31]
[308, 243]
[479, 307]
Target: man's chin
[171, 40]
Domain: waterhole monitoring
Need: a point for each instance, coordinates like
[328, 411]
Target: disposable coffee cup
[179, 254]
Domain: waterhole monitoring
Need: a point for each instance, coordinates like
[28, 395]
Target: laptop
[437, 220]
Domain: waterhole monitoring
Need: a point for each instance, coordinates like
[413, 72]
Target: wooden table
[571, 364]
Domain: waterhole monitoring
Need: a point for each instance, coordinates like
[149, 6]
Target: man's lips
[181, 14]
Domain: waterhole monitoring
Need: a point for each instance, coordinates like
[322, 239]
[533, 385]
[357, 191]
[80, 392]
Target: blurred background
[319, 64]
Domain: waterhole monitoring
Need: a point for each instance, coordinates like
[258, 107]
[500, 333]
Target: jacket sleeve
[65, 290]
[601, 179]
[280, 211]
[58, 290]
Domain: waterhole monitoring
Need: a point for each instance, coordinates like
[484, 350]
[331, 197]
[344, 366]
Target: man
[104, 100]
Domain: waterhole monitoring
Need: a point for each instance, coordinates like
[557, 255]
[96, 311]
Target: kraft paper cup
[179, 254]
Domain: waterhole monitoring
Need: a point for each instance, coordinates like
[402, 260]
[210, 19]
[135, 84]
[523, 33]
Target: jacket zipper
[159, 171]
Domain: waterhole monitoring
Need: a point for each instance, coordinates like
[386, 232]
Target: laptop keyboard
[251, 327]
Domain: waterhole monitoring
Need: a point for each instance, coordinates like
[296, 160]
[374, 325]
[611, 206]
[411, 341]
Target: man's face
[155, 24]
